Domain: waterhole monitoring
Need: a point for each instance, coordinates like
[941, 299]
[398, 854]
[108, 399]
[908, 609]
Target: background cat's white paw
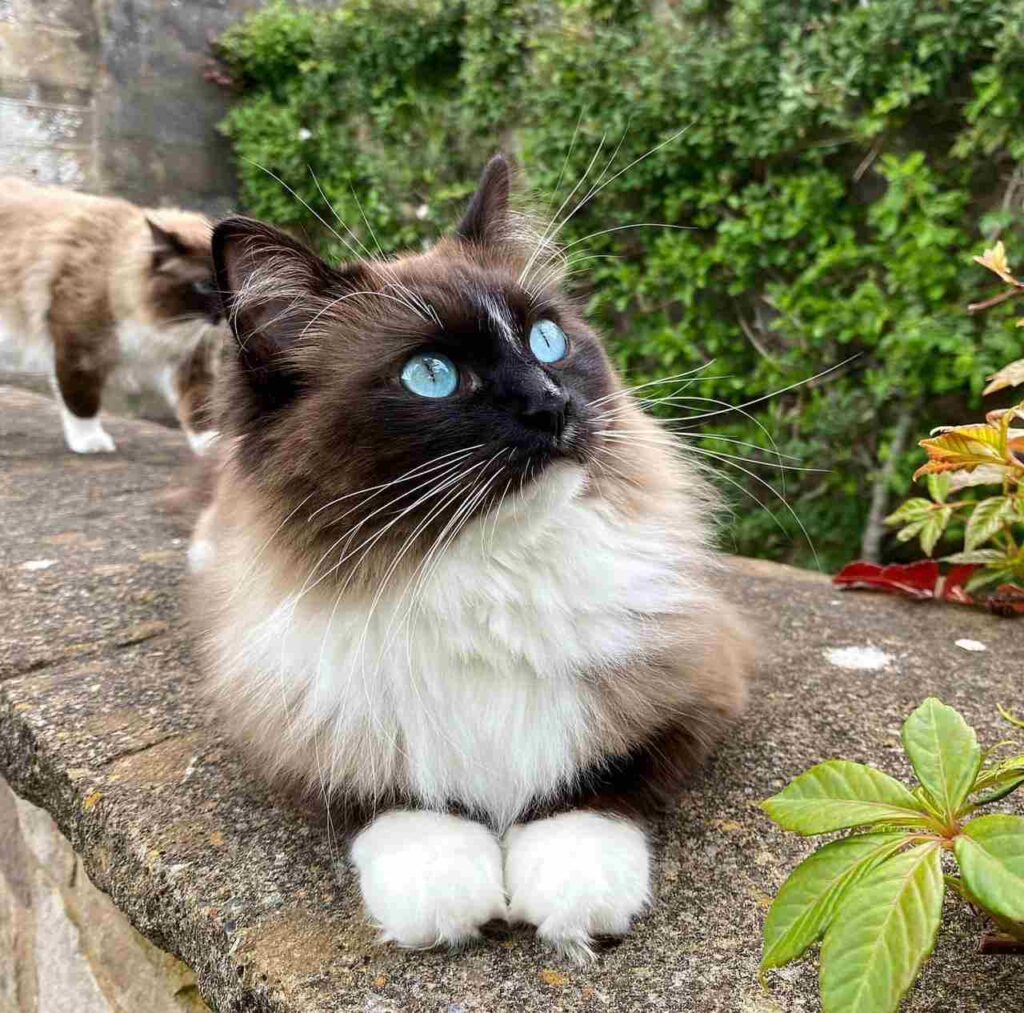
[86, 436]
[575, 876]
[429, 878]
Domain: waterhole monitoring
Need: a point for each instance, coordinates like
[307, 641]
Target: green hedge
[840, 164]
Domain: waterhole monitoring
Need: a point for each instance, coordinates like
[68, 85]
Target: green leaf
[998, 776]
[985, 577]
[912, 530]
[944, 751]
[882, 933]
[915, 509]
[1007, 787]
[977, 556]
[938, 486]
[987, 518]
[991, 856]
[933, 528]
[808, 899]
[839, 794]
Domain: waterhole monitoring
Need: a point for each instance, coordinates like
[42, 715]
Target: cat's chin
[561, 481]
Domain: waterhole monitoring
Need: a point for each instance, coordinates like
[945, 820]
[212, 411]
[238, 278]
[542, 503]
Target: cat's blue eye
[430, 374]
[548, 341]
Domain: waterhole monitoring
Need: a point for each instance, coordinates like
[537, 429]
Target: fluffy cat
[453, 573]
[94, 285]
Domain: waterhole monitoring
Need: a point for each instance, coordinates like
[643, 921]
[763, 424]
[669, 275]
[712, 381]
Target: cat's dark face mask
[181, 282]
[463, 372]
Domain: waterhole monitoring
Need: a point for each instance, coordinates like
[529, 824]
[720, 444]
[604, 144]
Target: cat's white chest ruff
[467, 688]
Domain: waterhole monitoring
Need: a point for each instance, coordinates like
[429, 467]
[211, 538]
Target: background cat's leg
[188, 388]
[81, 368]
[577, 875]
[429, 878]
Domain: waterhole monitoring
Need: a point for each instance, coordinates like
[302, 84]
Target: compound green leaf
[839, 794]
[991, 856]
[808, 899]
[882, 933]
[944, 751]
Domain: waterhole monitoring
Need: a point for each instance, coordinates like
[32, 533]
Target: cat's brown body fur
[84, 276]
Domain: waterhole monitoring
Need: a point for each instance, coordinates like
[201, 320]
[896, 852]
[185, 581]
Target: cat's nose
[547, 412]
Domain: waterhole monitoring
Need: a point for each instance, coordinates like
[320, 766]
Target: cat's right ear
[272, 289]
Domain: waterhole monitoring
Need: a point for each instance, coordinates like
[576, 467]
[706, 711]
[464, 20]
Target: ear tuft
[486, 218]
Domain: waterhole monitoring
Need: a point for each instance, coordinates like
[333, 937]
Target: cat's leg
[577, 875]
[187, 387]
[429, 878]
[80, 370]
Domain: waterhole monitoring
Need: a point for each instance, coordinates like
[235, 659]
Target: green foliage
[874, 899]
[838, 163]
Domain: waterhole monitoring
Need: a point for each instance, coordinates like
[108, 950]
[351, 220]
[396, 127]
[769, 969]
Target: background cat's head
[179, 281]
[456, 374]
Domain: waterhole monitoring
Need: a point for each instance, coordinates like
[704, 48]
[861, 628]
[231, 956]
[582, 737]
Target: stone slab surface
[102, 723]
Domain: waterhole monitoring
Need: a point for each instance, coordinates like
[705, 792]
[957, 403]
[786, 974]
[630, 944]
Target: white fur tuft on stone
[575, 876]
[429, 879]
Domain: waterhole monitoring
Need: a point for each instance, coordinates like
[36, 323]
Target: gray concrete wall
[109, 96]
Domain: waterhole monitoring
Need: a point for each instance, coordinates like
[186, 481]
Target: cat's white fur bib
[469, 689]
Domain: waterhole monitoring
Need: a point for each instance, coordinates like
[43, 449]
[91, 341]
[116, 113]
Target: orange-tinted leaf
[1009, 376]
[965, 448]
[995, 260]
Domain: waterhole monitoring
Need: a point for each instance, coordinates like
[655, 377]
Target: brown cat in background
[91, 286]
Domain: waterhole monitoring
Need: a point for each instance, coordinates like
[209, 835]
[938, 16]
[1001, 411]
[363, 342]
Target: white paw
[575, 876]
[429, 878]
[86, 436]
[201, 442]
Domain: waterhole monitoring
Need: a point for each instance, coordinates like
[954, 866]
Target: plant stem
[1001, 943]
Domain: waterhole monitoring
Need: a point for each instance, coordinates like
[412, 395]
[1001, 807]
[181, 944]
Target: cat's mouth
[570, 444]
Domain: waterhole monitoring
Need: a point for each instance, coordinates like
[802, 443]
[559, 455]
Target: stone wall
[109, 96]
[64, 946]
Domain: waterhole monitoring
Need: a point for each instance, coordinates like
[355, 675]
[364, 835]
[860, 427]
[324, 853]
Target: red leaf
[912, 580]
[953, 585]
[1008, 600]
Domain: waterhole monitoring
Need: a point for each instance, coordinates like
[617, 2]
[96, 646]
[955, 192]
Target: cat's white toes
[86, 436]
[575, 876]
[429, 878]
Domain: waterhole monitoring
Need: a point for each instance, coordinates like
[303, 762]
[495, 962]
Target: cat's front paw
[575, 876]
[429, 878]
[86, 436]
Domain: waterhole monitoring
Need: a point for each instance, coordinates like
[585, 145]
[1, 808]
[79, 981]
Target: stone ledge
[102, 724]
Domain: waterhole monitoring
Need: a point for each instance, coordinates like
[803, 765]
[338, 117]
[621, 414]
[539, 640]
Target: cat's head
[178, 280]
[412, 384]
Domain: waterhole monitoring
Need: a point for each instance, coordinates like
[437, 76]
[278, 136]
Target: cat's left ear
[166, 245]
[273, 289]
[486, 219]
